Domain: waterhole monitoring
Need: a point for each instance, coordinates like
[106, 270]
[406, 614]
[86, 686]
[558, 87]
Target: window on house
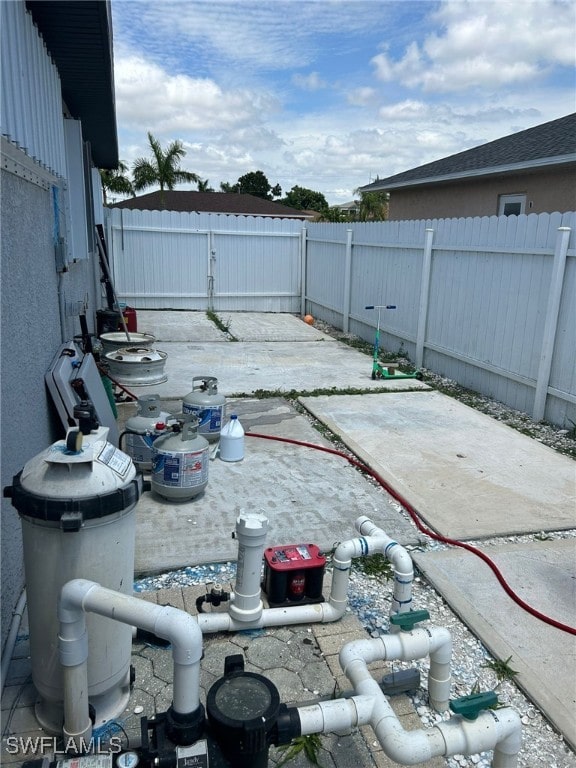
[511, 205]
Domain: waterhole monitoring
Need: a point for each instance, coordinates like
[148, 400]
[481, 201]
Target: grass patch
[220, 324]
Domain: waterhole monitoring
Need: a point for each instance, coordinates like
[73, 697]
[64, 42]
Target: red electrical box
[293, 574]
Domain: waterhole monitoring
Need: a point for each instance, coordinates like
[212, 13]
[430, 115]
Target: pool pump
[244, 718]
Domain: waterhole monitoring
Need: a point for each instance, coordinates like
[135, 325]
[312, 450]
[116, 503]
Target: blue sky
[329, 94]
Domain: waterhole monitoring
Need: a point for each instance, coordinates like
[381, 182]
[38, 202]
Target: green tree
[203, 185]
[225, 186]
[335, 215]
[253, 183]
[115, 181]
[373, 206]
[305, 200]
[162, 169]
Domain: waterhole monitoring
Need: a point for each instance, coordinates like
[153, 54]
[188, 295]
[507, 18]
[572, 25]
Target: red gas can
[129, 314]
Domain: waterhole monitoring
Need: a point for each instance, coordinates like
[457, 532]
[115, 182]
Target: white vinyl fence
[175, 260]
[489, 302]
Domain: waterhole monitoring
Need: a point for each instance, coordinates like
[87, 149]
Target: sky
[331, 94]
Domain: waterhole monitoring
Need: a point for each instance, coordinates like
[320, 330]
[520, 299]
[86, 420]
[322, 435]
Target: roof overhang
[498, 170]
[78, 35]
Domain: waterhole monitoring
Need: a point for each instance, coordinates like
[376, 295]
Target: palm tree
[162, 169]
[204, 185]
[373, 206]
[116, 182]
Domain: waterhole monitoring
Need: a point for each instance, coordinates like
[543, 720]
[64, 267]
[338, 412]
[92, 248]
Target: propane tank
[76, 503]
[149, 423]
[180, 462]
[207, 405]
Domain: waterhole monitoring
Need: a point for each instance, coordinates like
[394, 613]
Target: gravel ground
[542, 746]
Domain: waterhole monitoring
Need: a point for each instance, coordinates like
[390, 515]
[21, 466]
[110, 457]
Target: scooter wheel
[373, 375]
[420, 376]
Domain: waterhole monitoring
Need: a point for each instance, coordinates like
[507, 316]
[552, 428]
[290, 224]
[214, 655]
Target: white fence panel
[488, 302]
[181, 260]
[490, 320]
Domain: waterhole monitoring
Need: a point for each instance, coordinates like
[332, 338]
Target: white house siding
[40, 305]
[31, 116]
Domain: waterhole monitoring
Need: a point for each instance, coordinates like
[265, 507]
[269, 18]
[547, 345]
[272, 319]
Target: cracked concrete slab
[178, 326]
[468, 475]
[542, 574]
[246, 367]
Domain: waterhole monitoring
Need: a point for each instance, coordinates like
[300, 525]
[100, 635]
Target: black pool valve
[245, 716]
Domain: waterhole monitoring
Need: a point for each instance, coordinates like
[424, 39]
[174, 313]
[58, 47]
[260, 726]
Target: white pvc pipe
[407, 646]
[80, 596]
[246, 611]
[499, 730]
[378, 541]
[251, 534]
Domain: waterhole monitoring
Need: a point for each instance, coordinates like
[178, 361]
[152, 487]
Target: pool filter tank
[207, 405]
[76, 503]
[180, 462]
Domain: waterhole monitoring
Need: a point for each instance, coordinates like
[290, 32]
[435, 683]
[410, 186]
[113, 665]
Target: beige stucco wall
[546, 192]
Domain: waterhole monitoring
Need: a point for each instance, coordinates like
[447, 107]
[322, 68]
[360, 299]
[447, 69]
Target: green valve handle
[406, 621]
[471, 706]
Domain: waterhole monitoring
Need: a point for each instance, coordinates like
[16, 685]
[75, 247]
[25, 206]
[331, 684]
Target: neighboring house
[212, 202]
[58, 124]
[351, 208]
[533, 171]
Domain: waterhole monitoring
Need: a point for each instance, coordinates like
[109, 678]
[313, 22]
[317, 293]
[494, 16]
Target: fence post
[551, 322]
[303, 267]
[347, 281]
[424, 297]
[210, 275]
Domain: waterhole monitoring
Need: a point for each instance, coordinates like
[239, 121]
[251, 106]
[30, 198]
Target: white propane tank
[207, 405]
[232, 440]
[76, 503]
[180, 463]
[143, 429]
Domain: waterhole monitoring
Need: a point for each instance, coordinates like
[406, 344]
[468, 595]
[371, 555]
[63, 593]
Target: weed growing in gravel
[374, 565]
[502, 669]
[309, 745]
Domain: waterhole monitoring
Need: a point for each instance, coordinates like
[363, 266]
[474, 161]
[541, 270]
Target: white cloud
[488, 44]
[405, 110]
[361, 97]
[149, 98]
[311, 82]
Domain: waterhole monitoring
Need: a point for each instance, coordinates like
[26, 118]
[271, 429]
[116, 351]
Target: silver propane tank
[207, 405]
[149, 423]
[180, 462]
[76, 501]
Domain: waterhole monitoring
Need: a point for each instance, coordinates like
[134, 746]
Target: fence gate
[174, 260]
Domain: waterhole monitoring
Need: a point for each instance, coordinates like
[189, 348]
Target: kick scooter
[387, 370]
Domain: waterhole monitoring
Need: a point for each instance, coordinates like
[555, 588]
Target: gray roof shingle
[210, 202]
[546, 144]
